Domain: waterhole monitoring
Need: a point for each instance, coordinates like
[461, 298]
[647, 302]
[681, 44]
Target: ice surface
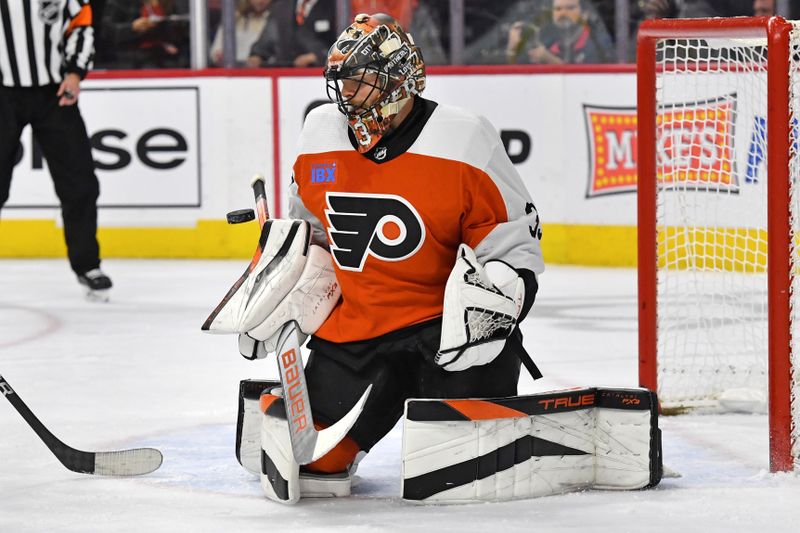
[138, 372]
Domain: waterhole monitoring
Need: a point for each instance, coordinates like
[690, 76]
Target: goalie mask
[383, 68]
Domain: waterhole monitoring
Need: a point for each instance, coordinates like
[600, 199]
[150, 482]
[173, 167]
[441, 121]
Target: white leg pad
[248, 424]
[458, 451]
[280, 473]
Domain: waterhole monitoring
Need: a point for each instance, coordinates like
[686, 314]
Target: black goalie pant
[62, 136]
[399, 366]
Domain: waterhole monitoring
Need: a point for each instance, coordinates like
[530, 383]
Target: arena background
[176, 149]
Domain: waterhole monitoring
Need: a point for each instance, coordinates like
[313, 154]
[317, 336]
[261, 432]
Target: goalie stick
[118, 463]
[308, 444]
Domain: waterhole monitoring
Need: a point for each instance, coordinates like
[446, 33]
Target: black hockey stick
[120, 463]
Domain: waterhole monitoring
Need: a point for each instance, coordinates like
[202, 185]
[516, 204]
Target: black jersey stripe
[34, 35]
[79, 44]
[48, 47]
[12, 56]
[26, 5]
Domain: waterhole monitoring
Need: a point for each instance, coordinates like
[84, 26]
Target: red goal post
[654, 235]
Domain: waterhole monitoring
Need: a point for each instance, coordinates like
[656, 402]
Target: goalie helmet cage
[716, 237]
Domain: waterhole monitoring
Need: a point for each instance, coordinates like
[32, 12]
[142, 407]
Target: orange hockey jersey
[393, 226]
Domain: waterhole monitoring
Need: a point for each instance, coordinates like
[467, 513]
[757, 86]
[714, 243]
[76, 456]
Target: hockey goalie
[411, 255]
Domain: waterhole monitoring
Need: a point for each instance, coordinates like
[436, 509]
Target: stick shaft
[47, 437]
[117, 463]
[259, 191]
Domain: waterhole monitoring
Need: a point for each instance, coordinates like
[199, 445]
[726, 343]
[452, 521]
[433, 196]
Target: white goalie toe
[325, 485]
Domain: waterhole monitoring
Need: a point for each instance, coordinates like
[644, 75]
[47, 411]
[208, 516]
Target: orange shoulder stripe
[83, 18]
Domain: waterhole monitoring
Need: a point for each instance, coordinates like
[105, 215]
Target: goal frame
[779, 236]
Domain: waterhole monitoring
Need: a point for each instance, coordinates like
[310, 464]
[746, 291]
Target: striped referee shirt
[41, 40]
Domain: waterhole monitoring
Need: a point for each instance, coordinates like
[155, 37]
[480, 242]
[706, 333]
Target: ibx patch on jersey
[385, 226]
[323, 173]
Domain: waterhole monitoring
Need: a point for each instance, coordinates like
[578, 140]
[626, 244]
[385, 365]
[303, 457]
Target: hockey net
[711, 328]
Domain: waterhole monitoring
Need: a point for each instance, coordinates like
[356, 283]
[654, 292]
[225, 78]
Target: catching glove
[481, 307]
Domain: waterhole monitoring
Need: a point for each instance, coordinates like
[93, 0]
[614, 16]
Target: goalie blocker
[458, 451]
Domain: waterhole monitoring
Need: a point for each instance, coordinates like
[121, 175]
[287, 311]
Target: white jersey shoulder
[456, 134]
[324, 130]
[459, 135]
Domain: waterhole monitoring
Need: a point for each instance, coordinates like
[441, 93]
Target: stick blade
[134, 462]
[308, 444]
[329, 437]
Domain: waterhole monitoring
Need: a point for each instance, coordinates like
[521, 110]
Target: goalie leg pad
[459, 451]
[280, 473]
[248, 423]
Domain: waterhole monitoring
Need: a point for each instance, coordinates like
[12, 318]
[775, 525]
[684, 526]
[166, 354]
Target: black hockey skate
[97, 285]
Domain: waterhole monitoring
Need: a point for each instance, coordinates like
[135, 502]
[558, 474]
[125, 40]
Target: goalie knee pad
[458, 451]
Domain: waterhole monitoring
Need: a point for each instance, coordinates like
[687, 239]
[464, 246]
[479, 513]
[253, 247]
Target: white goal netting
[711, 209]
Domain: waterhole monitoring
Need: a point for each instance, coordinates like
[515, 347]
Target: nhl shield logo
[48, 11]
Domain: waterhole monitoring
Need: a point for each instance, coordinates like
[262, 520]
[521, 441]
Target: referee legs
[61, 133]
[10, 132]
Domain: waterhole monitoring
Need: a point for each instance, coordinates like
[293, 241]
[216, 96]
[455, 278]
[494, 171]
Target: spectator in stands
[251, 18]
[149, 33]
[763, 8]
[416, 18]
[486, 27]
[715, 8]
[568, 38]
[298, 33]
[660, 9]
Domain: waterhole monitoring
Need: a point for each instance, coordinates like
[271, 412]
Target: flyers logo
[384, 226]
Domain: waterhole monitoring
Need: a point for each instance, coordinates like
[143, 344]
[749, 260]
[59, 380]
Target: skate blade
[101, 296]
